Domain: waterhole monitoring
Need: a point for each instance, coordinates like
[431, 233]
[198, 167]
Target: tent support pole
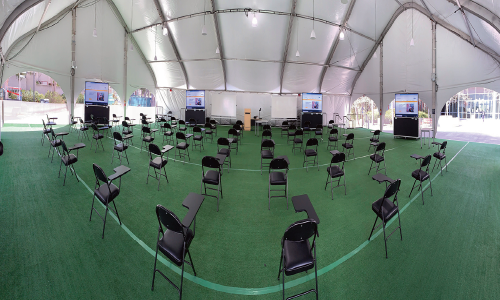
[287, 44]
[381, 107]
[125, 71]
[434, 81]
[71, 97]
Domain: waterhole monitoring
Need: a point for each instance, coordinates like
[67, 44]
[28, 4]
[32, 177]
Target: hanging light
[412, 43]
[165, 29]
[217, 50]
[156, 29]
[203, 30]
[94, 33]
[297, 54]
[254, 20]
[344, 1]
[313, 34]
[341, 36]
[131, 45]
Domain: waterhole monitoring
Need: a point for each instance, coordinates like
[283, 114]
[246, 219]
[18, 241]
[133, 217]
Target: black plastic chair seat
[148, 139]
[419, 175]
[154, 130]
[297, 141]
[439, 155]
[120, 147]
[82, 128]
[69, 159]
[168, 133]
[319, 132]
[102, 193]
[55, 143]
[46, 131]
[233, 140]
[211, 177]
[224, 151]
[347, 145]
[197, 137]
[208, 132]
[127, 132]
[376, 158]
[291, 133]
[298, 257]
[158, 163]
[374, 144]
[333, 139]
[389, 209]
[335, 171]
[182, 146]
[306, 129]
[98, 136]
[183, 129]
[171, 245]
[375, 140]
[311, 152]
[267, 154]
[277, 178]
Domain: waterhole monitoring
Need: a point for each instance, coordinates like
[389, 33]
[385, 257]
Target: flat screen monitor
[195, 99]
[406, 105]
[312, 102]
[96, 93]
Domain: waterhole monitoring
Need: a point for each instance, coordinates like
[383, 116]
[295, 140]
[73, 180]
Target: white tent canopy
[169, 51]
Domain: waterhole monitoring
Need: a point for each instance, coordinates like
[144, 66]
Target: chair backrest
[94, 127]
[192, 122]
[127, 119]
[213, 122]
[331, 122]
[312, 142]
[267, 144]
[117, 136]
[299, 132]
[237, 126]
[266, 127]
[144, 122]
[392, 189]
[124, 124]
[114, 115]
[154, 149]
[232, 131]
[380, 147]
[207, 125]
[278, 164]
[319, 127]
[443, 145]
[292, 127]
[377, 132]
[146, 129]
[350, 136]
[301, 230]
[167, 126]
[44, 127]
[284, 123]
[180, 136]
[334, 131]
[99, 174]
[141, 114]
[182, 122]
[1, 148]
[210, 162]
[267, 133]
[239, 122]
[65, 149]
[169, 220]
[222, 141]
[338, 158]
[196, 129]
[172, 118]
[426, 161]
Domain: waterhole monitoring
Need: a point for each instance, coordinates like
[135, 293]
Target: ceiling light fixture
[341, 35]
[254, 20]
[412, 43]
[217, 51]
[94, 33]
[165, 29]
[204, 29]
[313, 34]
[297, 54]
[156, 29]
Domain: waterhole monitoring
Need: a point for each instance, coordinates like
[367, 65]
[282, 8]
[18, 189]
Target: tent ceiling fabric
[253, 57]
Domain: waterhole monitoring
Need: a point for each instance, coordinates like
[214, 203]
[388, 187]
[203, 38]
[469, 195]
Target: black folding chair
[55, 143]
[266, 152]
[192, 123]
[127, 132]
[197, 138]
[173, 122]
[375, 139]
[68, 159]
[106, 193]
[284, 128]
[224, 148]
[213, 123]
[211, 177]
[97, 137]
[234, 140]
[45, 133]
[297, 255]
[119, 147]
[440, 156]
[422, 174]
[146, 137]
[158, 163]
[307, 127]
[168, 134]
[209, 133]
[83, 130]
[318, 132]
[182, 146]
[267, 135]
[1, 148]
[72, 124]
[115, 120]
[174, 243]
[311, 151]
[330, 124]
[378, 158]
[291, 133]
[349, 145]
[130, 122]
[182, 126]
[238, 135]
[333, 139]
[336, 170]
[240, 128]
[278, 178]
[298, 140]
[385, 209]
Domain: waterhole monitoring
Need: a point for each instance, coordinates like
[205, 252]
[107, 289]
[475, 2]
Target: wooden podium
[247, 120]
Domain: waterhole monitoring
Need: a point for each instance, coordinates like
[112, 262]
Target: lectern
[247, 120]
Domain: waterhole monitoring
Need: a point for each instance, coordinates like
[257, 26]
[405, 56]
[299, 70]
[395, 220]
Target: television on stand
[195, 106]
[96, 101]
[406, 122]
[312, 109]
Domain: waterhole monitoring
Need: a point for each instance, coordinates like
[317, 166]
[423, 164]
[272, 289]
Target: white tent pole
[125, 71]
[287, 43]
[381, 107]
[219, 43]
[434, 80]
[71, 97]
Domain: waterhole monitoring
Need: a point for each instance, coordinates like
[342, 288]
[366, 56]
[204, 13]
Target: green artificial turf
[450, 245]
